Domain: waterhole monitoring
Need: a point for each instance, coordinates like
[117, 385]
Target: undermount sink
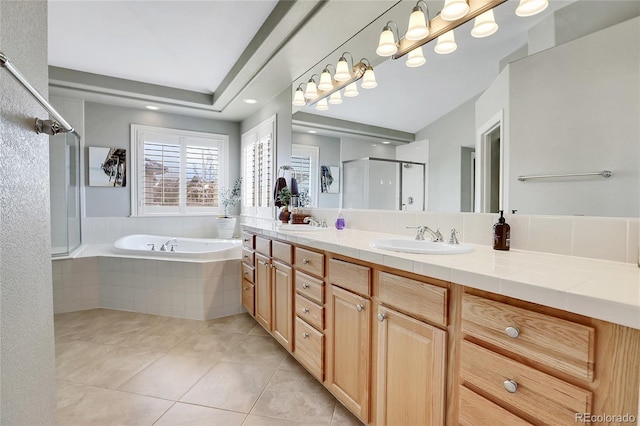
[420, 246]
[300, 228]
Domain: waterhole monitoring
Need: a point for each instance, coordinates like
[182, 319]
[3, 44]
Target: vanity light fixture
[416, 58]
[335, 98]
[298, 97]
[351, 91]
[454, 10]
[343, 71]
[369, 78]
[484, 25]
[387, 44]
[311, 92]
[531, 7]
[418, 25]
[322, 105]
[446, 43]
[325, 79]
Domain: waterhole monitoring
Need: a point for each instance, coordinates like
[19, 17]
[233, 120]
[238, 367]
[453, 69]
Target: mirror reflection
[555, 94]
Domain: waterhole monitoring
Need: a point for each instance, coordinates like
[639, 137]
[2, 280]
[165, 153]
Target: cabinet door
[263, 290]
[411, 371]
[248, 297]
[282, 294]
[348, 349]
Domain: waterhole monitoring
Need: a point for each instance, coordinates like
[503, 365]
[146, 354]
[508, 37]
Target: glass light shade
[322, 105]
[351, 90]
[325, 81]
[342, 70]
[387, 44]
[369, 79]
[446, 43]
[312, 91]
[335, 98]
[298, 98]
[418, 28]
[415, 58]
[484, 25]
[454, 10]
[531, 7]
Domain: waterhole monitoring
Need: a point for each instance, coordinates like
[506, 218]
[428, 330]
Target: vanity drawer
[310, 287]
[309, 348]
[248, 256]
[310, 312]
[310, 262]
[263, 246]
[425, 301]
[559, 344]
[282, 252]
[248, 240]
[537, 396]
[248, 273]
[475, 410]
[356, 278]
[248, 297]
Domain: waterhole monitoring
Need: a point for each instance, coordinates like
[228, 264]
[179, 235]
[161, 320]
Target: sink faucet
[436, 236]
[311, 221]
[164, 246]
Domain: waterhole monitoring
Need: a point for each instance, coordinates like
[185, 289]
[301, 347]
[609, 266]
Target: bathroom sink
[300, 228]
[415, 246]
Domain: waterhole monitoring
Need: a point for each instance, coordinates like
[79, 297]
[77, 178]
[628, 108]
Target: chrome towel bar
[604, 174]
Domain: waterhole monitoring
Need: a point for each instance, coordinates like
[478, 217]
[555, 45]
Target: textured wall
[26, 304]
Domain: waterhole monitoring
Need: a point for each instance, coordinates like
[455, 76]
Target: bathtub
[196, 249]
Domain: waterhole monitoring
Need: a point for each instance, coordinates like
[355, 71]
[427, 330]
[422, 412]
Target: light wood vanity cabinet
[248, 273]
[263, 290]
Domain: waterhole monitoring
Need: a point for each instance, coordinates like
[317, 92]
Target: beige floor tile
[259, 330]
[241, 323]
[258, 350]
[208, 345]
[252, 420]
[230, 386]
[169, 377]
[290, 363]
[295, 396]
[83, 405]
[72, 355]
[344, 417]
[112, 368]
[194, 415]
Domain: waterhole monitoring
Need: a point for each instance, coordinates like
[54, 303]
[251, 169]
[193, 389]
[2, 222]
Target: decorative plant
[284, 197]
[230, 197]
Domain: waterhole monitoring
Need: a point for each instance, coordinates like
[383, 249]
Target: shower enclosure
[377, 183]
[64, 173]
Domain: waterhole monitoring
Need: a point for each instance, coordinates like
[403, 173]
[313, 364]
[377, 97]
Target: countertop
[600, 289]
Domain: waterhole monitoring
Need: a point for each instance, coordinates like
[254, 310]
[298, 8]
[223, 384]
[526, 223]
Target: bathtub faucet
[164, 246]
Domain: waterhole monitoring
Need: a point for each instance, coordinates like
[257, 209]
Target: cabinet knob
[305, 285]
[246, 240]
[305, 310]
[272, 266]
[359, 307]
[245, 256]
[382, 317]
[246, 289]
[305, 261]
[512, 332]
[246, 273]
[511, 386]
[305, 335]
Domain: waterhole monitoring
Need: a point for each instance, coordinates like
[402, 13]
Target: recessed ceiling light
[151, 107]
[250, 101]
[386, 142]
[373, 144]
[312, 131]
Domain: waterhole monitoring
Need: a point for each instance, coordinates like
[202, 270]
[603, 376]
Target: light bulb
[415, 58]
[351, 90]
[418, 27]
[342, 70]
[484, 25]
[531, 7]
[369, 79]
[322, 105]
[325, 81]
[335, 98]
[312, 91]
[454, 10]
[298, 98]
[387, 44]
[446, 43]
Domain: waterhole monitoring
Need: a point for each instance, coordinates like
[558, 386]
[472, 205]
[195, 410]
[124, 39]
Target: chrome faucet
[453, 239]
[164, 246]
[436, 236]
[311, 221]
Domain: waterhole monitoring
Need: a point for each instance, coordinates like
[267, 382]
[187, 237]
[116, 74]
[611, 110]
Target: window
[304, 160]
[258, 152]
[177, 172]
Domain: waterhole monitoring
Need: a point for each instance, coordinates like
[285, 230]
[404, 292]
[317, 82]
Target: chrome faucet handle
[419, 232]
[173, 247]
[153, 246]
[453, 239]
[163, 247]
[323, 224]
[439, 236]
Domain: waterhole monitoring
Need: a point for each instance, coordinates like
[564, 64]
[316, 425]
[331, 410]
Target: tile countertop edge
[355, 242]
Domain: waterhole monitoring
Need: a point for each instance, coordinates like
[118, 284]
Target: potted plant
[229, 197]
[284, 197]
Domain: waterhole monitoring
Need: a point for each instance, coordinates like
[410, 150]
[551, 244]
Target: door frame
[483, 153]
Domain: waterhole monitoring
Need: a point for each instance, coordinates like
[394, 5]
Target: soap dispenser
[501, 234]
[340, 221]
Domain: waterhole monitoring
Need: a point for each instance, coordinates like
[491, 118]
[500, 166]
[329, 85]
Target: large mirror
[511, 121]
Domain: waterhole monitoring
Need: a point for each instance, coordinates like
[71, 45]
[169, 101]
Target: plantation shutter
[302, 166]
[202, 171]
[161, 174]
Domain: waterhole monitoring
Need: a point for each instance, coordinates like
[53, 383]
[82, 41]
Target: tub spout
[164, 246]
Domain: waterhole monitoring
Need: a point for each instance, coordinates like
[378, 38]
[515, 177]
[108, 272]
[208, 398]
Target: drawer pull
[246, 240]
[305, 310]
[382, 317]
[359, 307]
[305, 335]
[305, 261]
[511, 386]
[246, 289]
[245, 256]
[305, 286]
[246, 273]
[512, 332]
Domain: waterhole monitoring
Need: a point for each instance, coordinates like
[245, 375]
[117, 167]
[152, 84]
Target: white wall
[356, 148]
[27, 365]
[575, 108]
